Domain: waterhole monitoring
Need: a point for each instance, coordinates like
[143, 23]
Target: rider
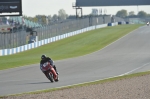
[47, 59]
[148, 23]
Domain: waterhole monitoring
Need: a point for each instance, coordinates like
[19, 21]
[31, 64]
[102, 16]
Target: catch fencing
[49, 40]
[21, 37]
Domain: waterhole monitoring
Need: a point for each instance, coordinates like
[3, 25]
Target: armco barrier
[49, 40]
[112, 24]
[122, 22]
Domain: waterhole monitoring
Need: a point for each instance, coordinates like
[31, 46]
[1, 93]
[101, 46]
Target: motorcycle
[50, 72]
[148, 23]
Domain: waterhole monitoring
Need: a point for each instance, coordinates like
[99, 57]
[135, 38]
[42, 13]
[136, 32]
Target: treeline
[62, 16]
[123, 13]
[43, 19]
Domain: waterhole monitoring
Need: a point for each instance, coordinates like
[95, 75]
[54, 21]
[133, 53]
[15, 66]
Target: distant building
[94, 12]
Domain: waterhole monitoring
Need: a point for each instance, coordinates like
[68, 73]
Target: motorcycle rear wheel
[51, 77]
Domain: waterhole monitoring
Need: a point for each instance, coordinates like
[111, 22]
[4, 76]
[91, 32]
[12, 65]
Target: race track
[129, 54]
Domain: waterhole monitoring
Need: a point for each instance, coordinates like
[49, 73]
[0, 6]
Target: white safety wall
[49, 40]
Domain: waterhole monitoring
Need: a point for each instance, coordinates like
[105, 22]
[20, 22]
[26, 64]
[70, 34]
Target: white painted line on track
[78, 56]
[108, 77]
[134, 69]
[86, 82]
[94, 80]
[106, 45]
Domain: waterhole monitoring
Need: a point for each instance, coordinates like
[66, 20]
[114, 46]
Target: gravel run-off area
[129, 88]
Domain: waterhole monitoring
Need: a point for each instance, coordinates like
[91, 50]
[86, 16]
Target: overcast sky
[50, 7]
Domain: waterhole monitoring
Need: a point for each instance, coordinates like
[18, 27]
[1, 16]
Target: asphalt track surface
[129, 54]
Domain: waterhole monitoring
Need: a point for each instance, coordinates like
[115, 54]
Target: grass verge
[74, 46]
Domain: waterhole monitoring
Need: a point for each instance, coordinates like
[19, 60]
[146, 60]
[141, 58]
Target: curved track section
[127, 55]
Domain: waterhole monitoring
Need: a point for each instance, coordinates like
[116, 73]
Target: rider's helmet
[43, 56]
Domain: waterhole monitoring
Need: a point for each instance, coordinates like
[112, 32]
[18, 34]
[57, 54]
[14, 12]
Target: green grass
[74, 46]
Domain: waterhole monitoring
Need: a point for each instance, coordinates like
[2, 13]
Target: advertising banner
[10, 6]
[86, 3]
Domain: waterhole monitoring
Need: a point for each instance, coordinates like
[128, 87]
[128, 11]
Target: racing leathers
[47, 59]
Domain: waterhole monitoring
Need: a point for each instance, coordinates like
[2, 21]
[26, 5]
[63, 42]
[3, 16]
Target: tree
[35, 19]
[62, 14]
[55, 17]
[122, 13]
[142, 14]
[148, 15]
[44, 19]
[131, 13]
[41, 19]
[49, 17]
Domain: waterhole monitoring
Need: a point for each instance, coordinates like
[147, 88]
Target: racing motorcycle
[148, 23]
[50, 72]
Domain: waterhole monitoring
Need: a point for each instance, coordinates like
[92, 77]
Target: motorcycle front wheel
[57, 79]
